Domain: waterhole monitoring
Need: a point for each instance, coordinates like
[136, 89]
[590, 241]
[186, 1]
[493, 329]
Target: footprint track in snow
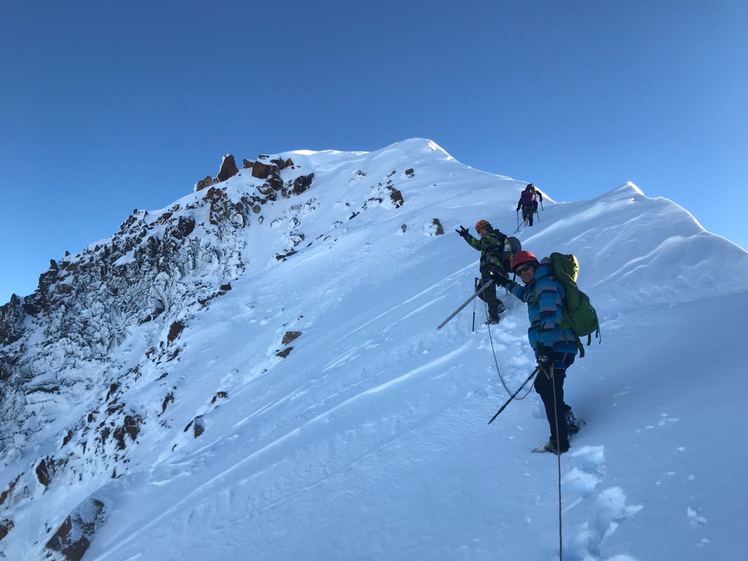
[609, 506]
[695, 517]
[587, 471]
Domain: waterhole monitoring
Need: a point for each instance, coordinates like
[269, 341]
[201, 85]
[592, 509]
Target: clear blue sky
[109, 106]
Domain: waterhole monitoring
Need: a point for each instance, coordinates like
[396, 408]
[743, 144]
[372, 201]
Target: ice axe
[465, 303]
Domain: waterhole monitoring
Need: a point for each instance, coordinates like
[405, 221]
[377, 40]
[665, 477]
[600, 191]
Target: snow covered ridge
[642, 251]
[237, 355]
[72, 349]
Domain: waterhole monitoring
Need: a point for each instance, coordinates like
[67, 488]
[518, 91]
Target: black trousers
[490, 298]
[544, 385]
[527, 213]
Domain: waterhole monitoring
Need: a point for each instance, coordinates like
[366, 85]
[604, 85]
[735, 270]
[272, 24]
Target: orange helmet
[482, 224]
[522, 257]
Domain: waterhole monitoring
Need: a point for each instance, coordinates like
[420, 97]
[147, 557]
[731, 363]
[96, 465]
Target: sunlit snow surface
[369, 441]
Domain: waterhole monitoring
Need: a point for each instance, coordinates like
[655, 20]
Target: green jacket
[492, 250]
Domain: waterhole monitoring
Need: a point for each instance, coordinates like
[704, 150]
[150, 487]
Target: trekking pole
[465, 303]
[475, 287]
[517, 230]
[508, 401]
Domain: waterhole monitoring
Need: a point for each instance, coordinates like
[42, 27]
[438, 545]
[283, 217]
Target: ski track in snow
[209, 485]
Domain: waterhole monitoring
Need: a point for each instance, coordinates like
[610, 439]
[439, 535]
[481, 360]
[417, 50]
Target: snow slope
[369, 439]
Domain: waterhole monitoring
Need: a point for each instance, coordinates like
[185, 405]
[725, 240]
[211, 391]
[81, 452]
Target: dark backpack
[511, 246]
[527, 197]
[515, 244]
[579, 314]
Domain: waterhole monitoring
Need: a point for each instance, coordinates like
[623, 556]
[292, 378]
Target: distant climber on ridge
[555, 346]
[492, 246]
[528, 202]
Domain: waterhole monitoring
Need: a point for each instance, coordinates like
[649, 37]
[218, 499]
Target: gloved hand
[498, 276]
[543, 354]
[464, 232]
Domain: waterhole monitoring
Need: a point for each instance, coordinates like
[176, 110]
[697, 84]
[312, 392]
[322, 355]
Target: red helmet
[482, 224]
[522, 257]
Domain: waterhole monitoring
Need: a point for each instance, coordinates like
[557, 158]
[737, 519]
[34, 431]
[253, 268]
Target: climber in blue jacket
[555, 346]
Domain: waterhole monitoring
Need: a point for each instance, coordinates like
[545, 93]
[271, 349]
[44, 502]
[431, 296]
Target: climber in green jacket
[492, 247]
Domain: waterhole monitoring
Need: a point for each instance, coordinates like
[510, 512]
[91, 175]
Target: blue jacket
[545, 307]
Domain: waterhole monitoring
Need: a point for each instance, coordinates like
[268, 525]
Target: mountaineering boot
[550, 447]
[493, 319]
[572, 423]
[497, 318]
[554, 449]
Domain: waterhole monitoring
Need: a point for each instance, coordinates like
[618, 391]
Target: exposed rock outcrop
[5, 527]
[43, 473]
[61, 348]
[219, 395]
[184, 227]
[302, 183]
[283, 164]
[228, 168]
[130, 427]
[174, 331]
[290, 336]
[285, 352]
[261, 170]
[396, 197]
[11, 323]
[198, 426]
[73, 538]
[203, 183]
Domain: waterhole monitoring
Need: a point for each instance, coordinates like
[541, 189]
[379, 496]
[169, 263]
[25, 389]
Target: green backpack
[579, 314]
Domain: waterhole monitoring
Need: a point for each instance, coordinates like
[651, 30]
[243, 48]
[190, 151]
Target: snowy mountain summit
[254, 373]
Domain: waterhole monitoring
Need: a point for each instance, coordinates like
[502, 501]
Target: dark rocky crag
[62, 343]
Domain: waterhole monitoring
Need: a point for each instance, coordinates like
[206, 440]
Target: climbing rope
[496, 362]
[558, 458]
[555, 414]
